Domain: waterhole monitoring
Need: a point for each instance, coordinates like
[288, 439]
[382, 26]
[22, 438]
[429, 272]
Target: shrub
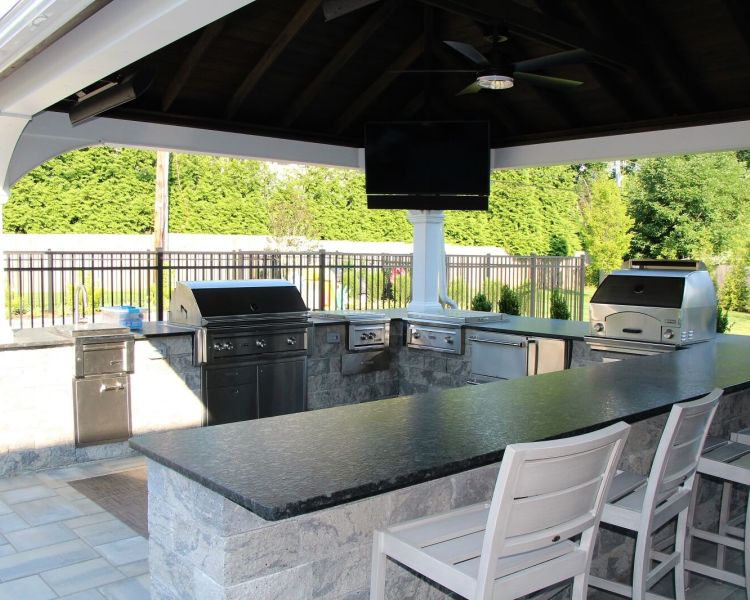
[509, 302]
[558, 245]
[734, 294]
[558, 308]
[722, 320]
[480, 302]
[402, 289]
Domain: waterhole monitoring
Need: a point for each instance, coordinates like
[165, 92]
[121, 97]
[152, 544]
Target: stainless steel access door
[547, 355]
[102, 409]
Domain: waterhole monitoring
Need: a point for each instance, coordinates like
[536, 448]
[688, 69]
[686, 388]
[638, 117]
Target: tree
[606, 225]
[527, 208]
[687, 206]
[94, 190]
[734, 294]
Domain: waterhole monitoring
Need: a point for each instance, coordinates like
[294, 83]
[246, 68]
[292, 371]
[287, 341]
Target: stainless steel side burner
[366, 330]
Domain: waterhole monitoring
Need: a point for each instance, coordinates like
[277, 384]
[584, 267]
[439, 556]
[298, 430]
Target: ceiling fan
[498, 73]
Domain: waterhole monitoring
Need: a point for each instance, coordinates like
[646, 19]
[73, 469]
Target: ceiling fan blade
[469, 52]
[472, 88]
[552, 60]
[333, 9]
[555, 83]
[433, 71]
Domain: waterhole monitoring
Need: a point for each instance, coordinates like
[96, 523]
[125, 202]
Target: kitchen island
[285, 507]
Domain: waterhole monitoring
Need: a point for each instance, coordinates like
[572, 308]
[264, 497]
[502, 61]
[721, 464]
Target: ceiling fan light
[493, 81]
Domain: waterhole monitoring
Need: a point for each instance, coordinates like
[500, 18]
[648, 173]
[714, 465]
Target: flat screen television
[428, 165]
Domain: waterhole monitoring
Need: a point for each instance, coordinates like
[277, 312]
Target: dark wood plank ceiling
[276, 67]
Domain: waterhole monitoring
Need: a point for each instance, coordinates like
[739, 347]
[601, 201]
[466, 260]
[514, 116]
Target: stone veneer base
[204, 546]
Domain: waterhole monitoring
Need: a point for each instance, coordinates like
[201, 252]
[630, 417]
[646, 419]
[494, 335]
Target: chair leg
[747, 548]
[641, 564]
[688, 548]
[679, 548]
[377, 576]
[726, 498]
[580, 587]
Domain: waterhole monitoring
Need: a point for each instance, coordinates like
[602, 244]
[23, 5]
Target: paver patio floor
[56, 543]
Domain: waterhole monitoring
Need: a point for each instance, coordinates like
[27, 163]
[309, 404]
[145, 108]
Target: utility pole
[161, 201]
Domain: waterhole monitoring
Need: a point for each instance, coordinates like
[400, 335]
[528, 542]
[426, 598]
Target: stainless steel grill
[653, 306]
[251, 344]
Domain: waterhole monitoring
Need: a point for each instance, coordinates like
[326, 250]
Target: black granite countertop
[294, 464]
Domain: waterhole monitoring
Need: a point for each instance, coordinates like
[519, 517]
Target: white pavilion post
[11, 127]
[428, 253]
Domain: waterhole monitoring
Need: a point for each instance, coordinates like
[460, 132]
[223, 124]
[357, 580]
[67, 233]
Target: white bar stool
[538, 530]
[646, 506]
[729, 462]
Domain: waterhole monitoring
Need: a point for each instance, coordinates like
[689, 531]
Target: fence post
[322, 279]
[50, 284]
[532, 299]
[159, 285]
[582, 279]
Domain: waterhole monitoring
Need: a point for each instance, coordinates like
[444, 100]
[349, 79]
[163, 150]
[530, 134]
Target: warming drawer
[99, 358]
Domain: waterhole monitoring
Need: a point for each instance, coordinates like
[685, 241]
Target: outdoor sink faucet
[80, 291]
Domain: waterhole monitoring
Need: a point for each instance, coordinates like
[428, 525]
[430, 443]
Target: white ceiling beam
[686, 140]
[50, 134]
[119, 34]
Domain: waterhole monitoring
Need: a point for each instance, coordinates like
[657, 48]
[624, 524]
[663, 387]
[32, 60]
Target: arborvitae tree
[606, 225]
[94, 190]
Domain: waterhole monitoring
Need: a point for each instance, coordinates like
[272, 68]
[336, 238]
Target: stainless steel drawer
[101, 410]
[103, 359]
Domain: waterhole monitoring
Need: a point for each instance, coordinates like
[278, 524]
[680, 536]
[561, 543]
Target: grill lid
[639, 290]
[205, 302]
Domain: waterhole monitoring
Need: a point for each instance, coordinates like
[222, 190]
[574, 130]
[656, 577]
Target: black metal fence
[40, 286]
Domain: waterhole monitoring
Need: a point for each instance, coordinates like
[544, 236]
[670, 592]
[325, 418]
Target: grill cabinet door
[282, 387]
[230, 394]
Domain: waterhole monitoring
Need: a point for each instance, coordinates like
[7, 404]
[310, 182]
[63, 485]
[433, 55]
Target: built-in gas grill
[653, 306]
[443, 331]
[251, 344]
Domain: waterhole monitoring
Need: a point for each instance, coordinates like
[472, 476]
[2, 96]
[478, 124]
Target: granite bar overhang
[291, 465]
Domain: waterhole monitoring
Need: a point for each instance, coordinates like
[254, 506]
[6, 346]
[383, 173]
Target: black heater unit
[428, 165]
[124, 91]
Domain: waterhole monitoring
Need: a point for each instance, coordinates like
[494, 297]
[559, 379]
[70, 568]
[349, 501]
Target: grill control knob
[260, 343]
[668, 334]
[448, 339]
[371, 335]
[598, 327]
[416, 335]
[363, 337]
[291, 341]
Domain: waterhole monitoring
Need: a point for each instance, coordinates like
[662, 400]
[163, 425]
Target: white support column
[11, 127]
[426, 264]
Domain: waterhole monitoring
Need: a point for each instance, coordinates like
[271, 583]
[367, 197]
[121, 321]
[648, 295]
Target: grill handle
[629, 330]
[474, 338]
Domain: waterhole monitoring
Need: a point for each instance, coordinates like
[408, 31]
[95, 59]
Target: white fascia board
[29, 22]
[50, 134]
[686, 140]
[120, 33]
